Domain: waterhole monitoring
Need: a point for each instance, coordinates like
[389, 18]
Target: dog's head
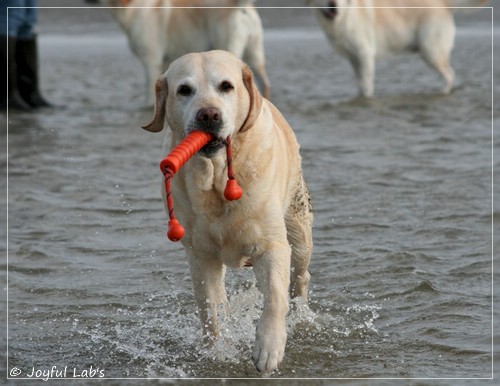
[211, 91]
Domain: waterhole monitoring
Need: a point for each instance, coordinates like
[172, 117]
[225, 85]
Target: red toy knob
[175, 230]
[232, 191]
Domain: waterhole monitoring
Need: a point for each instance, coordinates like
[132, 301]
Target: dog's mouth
[331, 11]
[213, 147]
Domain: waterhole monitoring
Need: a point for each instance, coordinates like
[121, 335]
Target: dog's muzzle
[209, 119]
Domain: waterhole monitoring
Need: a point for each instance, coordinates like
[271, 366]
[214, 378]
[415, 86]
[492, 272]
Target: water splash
[163, 337]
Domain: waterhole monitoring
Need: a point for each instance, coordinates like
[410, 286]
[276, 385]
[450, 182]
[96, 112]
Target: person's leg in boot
[3, 72]
[27, 60]
[14, 99]
[27, 76]
[8, 46]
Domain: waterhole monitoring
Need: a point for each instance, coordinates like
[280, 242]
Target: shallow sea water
[402, 191]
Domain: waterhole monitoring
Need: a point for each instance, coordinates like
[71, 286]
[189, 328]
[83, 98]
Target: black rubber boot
[27, 72]
[3, 72]
[8, 68]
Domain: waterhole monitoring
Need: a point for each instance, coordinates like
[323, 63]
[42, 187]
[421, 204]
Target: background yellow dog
[160, 31]
[365, 30]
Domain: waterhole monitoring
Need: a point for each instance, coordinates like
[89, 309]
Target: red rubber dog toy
[172, 163]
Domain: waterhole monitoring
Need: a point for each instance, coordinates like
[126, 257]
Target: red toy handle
[172, 163]
[185, 150]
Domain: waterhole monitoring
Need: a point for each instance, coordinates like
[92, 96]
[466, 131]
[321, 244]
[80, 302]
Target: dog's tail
[460, 4]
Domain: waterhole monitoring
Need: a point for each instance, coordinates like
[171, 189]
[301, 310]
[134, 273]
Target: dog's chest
[229, 229]
[230, 237]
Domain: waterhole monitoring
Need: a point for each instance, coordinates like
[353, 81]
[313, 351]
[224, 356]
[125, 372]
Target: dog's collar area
[331, 11]
[171, 164]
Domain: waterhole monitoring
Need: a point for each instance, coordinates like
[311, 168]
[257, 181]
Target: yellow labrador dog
[364, 30]
[270, 225]
[160, 31]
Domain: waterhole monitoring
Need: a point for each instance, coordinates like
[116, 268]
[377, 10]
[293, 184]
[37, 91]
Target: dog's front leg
[207, 274]
[273, 277]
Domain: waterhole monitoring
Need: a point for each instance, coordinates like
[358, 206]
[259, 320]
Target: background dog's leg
[364, 68]
[272, 271]
[254, 56]
[250, 49]
[443, 67]
[153, 67]
[246, 41]
[436, 45]
[262, 80]
[208, 281]
[299, 232]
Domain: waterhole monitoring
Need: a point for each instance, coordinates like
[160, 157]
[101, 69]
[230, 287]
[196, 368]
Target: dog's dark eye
[184, 90]
[226, 86]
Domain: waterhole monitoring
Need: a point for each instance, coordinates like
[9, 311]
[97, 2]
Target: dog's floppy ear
[255, 99]
[161, 90]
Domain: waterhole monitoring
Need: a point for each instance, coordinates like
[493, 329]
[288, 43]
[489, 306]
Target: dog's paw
[269, 349]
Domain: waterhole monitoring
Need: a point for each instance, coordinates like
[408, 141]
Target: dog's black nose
[209, 118]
